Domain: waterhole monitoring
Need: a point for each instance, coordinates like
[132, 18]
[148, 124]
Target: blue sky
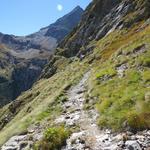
[22, 17]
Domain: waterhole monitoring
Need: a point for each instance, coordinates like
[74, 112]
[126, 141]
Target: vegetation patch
[54, 138]
[44, 100]
[108, 72]
[121, 101]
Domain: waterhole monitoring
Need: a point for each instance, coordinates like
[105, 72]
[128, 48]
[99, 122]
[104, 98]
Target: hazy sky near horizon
[23, 17]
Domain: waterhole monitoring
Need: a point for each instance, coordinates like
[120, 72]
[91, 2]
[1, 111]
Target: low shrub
[146, 76]
[138, 121]
[54, 138]
[110, 71]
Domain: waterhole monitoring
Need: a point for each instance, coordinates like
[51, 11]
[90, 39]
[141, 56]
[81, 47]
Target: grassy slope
[123, 101]
[118, 100]
[45, 104]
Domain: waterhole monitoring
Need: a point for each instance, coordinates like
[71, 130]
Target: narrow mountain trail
[75, 115]
[89, 136]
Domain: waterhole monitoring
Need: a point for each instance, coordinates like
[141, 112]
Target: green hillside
[118, 83]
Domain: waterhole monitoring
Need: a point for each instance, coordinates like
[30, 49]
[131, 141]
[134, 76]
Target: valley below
[24, 57]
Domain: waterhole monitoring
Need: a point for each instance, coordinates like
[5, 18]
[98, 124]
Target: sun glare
[59, 7]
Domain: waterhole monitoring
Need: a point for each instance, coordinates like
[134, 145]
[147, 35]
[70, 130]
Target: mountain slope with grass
[23, 58]
[112, 46]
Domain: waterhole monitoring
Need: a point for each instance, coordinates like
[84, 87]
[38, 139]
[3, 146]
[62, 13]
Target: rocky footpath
[88, 136]
[25, 141]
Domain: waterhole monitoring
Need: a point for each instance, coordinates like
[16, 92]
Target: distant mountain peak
[78, 8]
[66, 23]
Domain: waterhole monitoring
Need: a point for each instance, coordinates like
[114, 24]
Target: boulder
[133, 145]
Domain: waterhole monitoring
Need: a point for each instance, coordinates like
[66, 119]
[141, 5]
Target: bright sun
[59, 7]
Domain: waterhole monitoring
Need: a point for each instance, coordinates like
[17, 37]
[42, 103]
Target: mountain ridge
[74, 15]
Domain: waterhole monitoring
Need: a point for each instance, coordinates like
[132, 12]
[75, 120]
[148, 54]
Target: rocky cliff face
[102, 17]
[17, 74]
[26, 56]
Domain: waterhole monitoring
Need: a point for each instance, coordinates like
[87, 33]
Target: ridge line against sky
[23, 17]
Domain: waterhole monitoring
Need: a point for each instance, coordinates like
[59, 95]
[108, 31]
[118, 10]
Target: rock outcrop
[100, 18]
